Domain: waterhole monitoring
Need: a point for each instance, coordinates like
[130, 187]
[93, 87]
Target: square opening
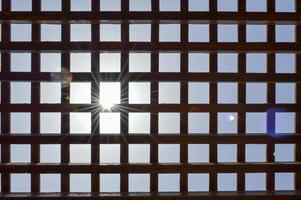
[285, 5]
[50, 122]
[226, 182]
[198, 33]
[284, 181]
[198, 93]
[139, 92]
[51, 5]
[80, 153]
[110, 62]
[21, 5]
[227, 5]
[50, 182]
[227, 32]
[80, 122]
[227, 122]
[198, 62]
[140, 32]
[256, 93]
[170, 5]
[80, 5]
[20, 153]
[284, 152]
[169, 92]
[139, 123]
[198, 182]
[16, 29]
[51, 32]
[169, 153]
[20, 62]
[110, 32]
[227, 93]
[80, 93]
[50, 62]
[110, 5]
[285, 122]
[256, 152]
[226, 153]
[255, 181]
[198, 5]
[109, 123]
[169, 62]
[20, 122]
[285, 93]
[80, 62]
[285, 33]
[285, 63]
[50, 92]
[256, 33]
[169, 123]
[139, 182]
[198, 153]
[256, 63]
[20, 92]
[169, 32]
[50, 153]
[256, 5]
[80, 182]
[198, 123]
[109, 94]
[139, 62]
[227, 62]
[139, 153]
[80, 32]
[256, 123]
[109, 182]
[109, 153]
[168, 182]
[20, 183]
[140, 5]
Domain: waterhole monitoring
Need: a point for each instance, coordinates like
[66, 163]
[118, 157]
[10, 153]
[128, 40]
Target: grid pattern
[180, 105]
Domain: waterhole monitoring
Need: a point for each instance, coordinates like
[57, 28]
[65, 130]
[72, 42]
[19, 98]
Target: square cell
[198, 5]
[256, 33]
[51, 5]
[169, 92]
[227, 5]
[284, 181]
[285, 122]
[50, 182]
[198, 182]
[20, 122]
[20, 153]
[256, 63]
[139, 62]
[50, 122]
[284, 152]
[109, 123]
[227, 62]
[255, 181]
[198, 62]
[50, 62]
[285, 63]
[139, 182]
[227, 93]
[80, 5]
[198, 33]
[139, 153]
[20, 92]
[169, 33]
[21, 5]
[256, 152]
[169, 182]
[80, 122]
[140, 32]
[17, 29]
[285, 33]
[170, 5]
[285, 93]
[256, 5]
[226, 182]
[198, 123]
[256, 93]
[256, 122]
[80, 93]
[110, 62]
[110, 5]
[227, 122]
[50, 153]
[198, 93]
[80, 62]
[169, 123]
[51, 32]
[140, 5]
[80, 32]
[20, 183]
[109, 182]
[80, 182]
[109, 94]
[226, 153]
[110, 32]
[50, 92]
[80, 153]
[285, 5]
[20, 62]
[227, 33]
[139, 123]
[169, 62]
[169, 153]
[139, 92]
[109, 153]
[198, 153]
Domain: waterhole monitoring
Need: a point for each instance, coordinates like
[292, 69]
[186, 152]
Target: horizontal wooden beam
[149, 46]
[150, 17]
[148, 139]
[154, 77]
[149, 168]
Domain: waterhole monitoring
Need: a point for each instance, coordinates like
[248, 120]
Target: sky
[139, 93]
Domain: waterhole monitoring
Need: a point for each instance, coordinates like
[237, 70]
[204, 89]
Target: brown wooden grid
[154, 17]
